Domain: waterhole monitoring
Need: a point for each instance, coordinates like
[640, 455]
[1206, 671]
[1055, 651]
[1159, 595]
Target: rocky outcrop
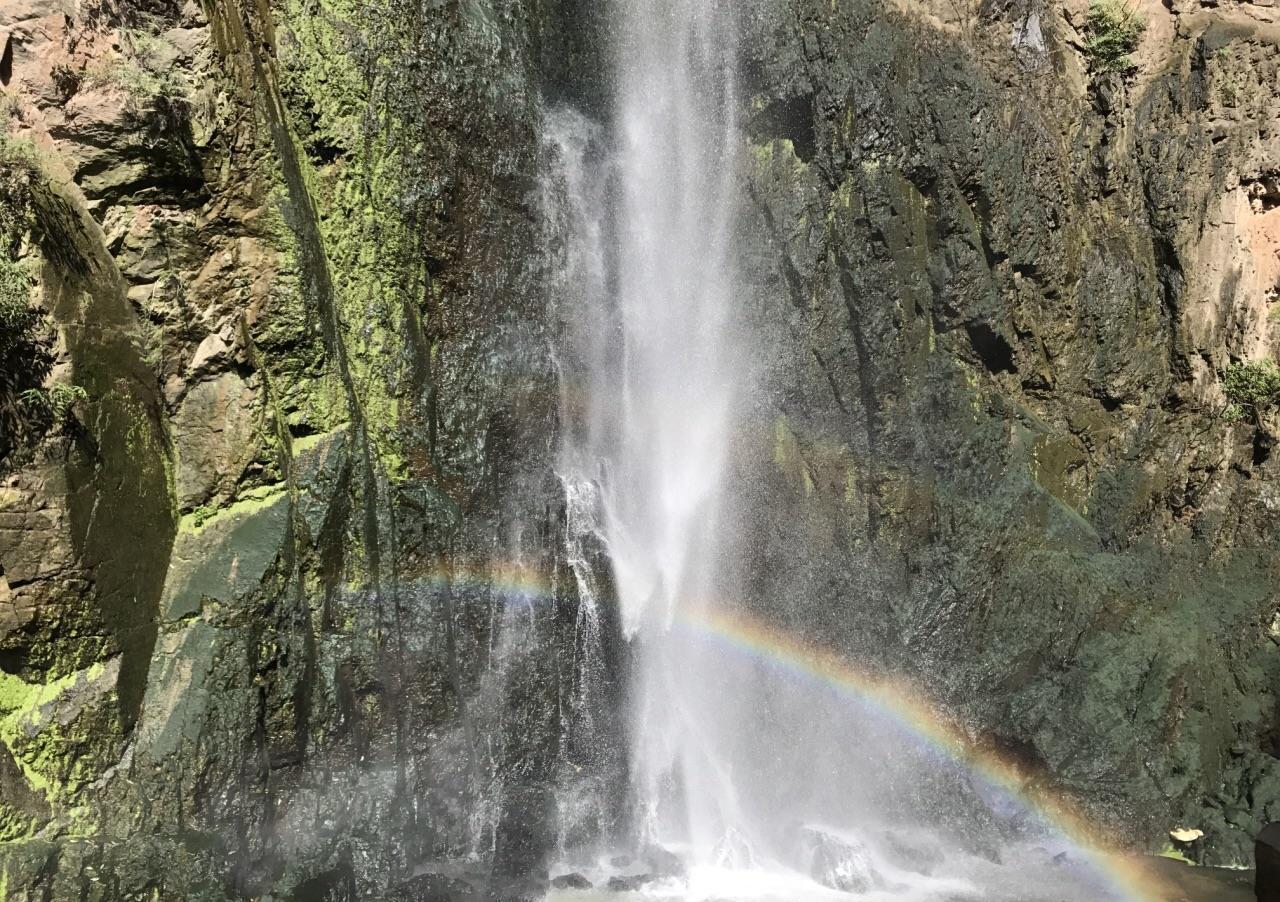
[999, 292]
[266, 588]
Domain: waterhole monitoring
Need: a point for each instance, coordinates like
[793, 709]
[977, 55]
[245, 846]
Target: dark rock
[631, 883]
[571, 881]
[1267, 864]
[525, 832]
[919, 853]
[335, 885]
[433, 888]
[663, 862]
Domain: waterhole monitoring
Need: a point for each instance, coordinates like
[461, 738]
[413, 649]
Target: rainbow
[892, 699]
[523, 582]
[908, 709]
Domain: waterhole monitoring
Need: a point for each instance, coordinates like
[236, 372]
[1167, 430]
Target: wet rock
[631, 883]
[840, 862]
[433, 888]
[337, 884]
[875, 397]
[917, 852]
[225, 556]
[571, 881]
[663, 862]
[1267, 863]
[522, 840]
[734, 851]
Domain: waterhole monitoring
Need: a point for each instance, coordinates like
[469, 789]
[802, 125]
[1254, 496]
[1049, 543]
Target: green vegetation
[24, 354]
[29, 410]
[1114, 30]
[145, 74]
[1252, 388]
[17, 317]
[1232, 81]
[56, 402]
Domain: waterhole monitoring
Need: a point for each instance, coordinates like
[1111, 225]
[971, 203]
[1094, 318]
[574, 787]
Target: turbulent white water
[661, 387]
[767, 787]
[657, 352]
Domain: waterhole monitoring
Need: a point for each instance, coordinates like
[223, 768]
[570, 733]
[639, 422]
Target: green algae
[42, 747]
[251, 503]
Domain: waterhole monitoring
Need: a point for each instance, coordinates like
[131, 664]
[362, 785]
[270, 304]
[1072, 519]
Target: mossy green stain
[257, 500]
[20, 704]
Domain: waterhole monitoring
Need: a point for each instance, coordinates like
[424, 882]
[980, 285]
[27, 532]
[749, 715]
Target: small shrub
[66, 80]
[54, 402]
[1251, 388]
[1114, 30]
[28, 411]
[144, 73]
[16, 313]
[17, 169]
[20, 323]
[25, 361]
[143, 88]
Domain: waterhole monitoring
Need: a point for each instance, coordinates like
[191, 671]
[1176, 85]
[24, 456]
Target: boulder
[663, 862]
[630, 883]
[839, 861]
[571, 881]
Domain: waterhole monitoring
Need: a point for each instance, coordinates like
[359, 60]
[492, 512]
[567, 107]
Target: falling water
[658, 347]
[679, 378]
[762, 782]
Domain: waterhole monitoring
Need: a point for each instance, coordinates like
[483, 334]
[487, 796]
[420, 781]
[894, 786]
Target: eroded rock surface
[254, 628]
[998, 294]
[283, 601]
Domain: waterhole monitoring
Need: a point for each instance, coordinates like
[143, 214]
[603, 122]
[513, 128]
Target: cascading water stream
[676, 389]
[777, 788]
[658, 352]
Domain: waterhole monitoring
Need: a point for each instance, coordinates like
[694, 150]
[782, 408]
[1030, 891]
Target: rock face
[284, 606]
[997, 296]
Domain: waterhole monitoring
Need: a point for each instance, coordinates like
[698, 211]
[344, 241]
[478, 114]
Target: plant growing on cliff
[966, 15]
[54, 403]
[25, 360]
[145, 73]
[1252, 388]
[1114, 30]
[18, 319]
[28, 411]
[143, 87]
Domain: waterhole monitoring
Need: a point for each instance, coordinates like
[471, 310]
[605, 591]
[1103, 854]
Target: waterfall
[672, 416]
[657, 354]
[767, 786]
